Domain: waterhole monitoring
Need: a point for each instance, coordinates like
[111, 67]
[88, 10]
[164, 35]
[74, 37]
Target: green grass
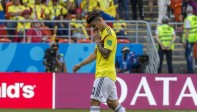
[73, 110]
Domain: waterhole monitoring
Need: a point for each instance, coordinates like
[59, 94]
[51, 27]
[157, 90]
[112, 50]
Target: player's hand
[76, 67]
[97, 37]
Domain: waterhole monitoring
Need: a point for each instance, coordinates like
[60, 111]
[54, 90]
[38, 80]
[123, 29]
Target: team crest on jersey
[109, 42]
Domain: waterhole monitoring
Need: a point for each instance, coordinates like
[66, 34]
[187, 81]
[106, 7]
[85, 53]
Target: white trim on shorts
[104, 89]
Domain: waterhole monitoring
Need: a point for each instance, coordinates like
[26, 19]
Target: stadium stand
[83, 41]
[137, 33]
[123, 41]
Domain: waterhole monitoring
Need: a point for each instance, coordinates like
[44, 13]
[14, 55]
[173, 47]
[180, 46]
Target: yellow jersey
[88, 7]
[55, 11]
[64, 3]
[105, 4]
[106, 67]
[1, 8]
[22, 26]
[14, 9]
[120, 25]
[38, 11]
[61, 2]
[29, 2]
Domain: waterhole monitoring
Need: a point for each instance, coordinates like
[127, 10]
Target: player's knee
[94, 102]
[112, 104]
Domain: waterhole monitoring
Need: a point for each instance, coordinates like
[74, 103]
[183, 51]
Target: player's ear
[100, 19]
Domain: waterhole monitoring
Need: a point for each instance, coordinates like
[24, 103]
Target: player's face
[95, 25]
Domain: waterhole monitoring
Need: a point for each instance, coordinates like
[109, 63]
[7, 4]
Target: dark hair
[92, 16]
[55, 45]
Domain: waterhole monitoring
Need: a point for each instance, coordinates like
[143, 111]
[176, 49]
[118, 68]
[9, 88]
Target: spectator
[105, 4]
[165, 35]
[23, 26]
[53, 12]
[123, 7]
[193, 3]
[185, 3]
[176, 6]
[184, 6]
[28, 3]
[68, 4]
[120, 27]
[35, 34]
[151, 6]
[189, 36]
[88, 6]
[14, 11]
[62, 30]
[78, 3]
[162, 10]
[134, 5]
[38, 10]
[3, 32]
[79, 27]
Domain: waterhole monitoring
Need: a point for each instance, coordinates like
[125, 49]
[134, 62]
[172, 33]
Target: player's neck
[104, 26]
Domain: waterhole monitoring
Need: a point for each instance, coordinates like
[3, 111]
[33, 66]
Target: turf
[66, 110]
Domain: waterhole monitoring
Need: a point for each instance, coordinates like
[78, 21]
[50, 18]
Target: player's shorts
[104, 89]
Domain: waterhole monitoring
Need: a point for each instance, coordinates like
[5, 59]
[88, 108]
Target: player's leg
[94, 105]
[115, 105]
[112, 100]
[96, 95]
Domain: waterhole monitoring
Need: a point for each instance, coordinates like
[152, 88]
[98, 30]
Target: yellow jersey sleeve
[108, 36]
[109, 42]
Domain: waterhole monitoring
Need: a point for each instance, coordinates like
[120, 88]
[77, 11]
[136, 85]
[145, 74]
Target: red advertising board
[136, 91]
[25, 90]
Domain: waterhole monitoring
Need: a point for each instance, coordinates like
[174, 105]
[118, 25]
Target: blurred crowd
[36, 10]
[74, 10]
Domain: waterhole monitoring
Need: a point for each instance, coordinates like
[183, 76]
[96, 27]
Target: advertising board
[135, 91]
[25, 90]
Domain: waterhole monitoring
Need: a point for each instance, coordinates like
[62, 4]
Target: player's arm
[104, 52]
[89, 59]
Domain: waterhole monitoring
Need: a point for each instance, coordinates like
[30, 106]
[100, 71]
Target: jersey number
[93, 90]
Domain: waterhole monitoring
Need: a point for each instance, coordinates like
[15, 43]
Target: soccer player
[104, 88]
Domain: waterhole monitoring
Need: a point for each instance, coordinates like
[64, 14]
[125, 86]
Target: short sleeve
[109, 42]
